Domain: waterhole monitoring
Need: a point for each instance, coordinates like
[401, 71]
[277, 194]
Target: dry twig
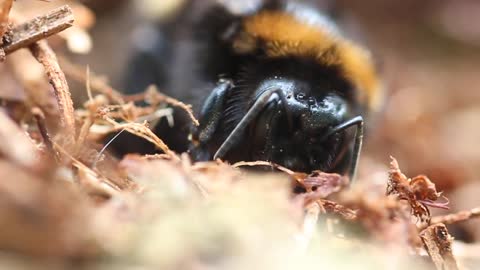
[457, 217]
[438, 243]
[28, 33]
[45, 55]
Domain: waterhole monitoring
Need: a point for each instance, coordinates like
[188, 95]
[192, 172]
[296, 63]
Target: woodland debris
[165, 212]
[420, 192]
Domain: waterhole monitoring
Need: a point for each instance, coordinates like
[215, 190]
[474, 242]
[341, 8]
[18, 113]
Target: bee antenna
[252, 113]
[357, 146]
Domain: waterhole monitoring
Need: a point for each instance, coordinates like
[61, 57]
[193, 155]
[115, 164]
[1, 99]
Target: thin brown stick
[28, 33]
[45, 55]
[438, 243]
[457, 217]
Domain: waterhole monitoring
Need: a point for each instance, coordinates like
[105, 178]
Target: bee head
[294, 128]
[297, 87]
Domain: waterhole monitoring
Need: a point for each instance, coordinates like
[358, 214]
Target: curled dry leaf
[420, 192]
[425, 192]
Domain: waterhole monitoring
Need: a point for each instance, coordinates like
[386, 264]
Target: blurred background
[428, 52]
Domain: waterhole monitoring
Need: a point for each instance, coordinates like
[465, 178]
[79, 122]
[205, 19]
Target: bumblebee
[283, 85]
